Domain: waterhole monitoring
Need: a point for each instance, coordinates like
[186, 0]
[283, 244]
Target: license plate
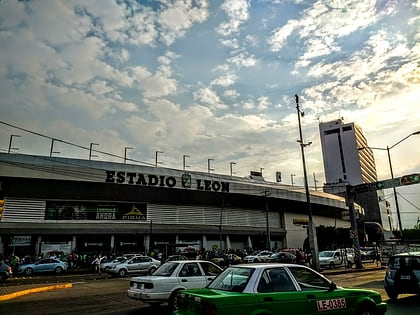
[332, 304]
[405, 277]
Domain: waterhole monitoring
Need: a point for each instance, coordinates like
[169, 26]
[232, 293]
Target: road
[107, 296]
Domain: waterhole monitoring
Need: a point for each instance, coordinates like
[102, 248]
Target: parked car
[5, 271]
[333, 258]
[223, 261]
[276, 289]
[402, 274]
[281, 257]
[170, 278]
[42, 266]
[176, 257]
[257, 256]
[134, 265]
[110, 262]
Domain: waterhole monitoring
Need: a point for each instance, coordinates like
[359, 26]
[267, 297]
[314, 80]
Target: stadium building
[74, 205]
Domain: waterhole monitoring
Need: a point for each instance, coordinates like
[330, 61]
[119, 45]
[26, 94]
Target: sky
[213, 81]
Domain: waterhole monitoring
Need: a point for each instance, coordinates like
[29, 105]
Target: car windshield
[166, 269]
[326, 254]
[233, 279]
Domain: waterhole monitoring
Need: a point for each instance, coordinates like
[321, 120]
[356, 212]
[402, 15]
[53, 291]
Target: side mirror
[332, 287]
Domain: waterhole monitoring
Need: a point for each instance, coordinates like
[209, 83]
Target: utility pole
[313, 244]
[268, 242]
[354, 230]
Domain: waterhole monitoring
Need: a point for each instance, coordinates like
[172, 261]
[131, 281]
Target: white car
[170, 278]
[257, 256]
[134, 265]
[334, 258]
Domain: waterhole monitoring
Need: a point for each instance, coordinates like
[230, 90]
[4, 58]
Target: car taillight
[209, 309]
[9, 269]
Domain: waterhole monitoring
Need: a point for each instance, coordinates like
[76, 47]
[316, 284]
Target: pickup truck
[334, 258]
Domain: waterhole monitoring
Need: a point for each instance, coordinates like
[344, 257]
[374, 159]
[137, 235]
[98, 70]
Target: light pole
[184, 165]
[313, 244]
[231, 168]
[156, 158]
[90, 150]
[10, 143]
[291, 177]
[52, 147]
[387, 149]
[268, 242]
[208, 165]
[125, 153]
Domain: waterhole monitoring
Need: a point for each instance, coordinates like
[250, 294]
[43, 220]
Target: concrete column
[249, 242]
[112, 243]
[147, 244]
[228, 244]
[74, 244]
[1, 246]
[38, 246]
[204, 242]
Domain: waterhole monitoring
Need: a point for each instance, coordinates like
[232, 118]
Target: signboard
[388, 183]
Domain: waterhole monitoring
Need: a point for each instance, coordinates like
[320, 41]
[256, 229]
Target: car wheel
[28, 271]
[58, 270]
[122, 272]
[173, 300]
[392, 294]
[255, 260]
[332, 265]
[152, 270]
[3, 277]
[366, 309]
[349, 264]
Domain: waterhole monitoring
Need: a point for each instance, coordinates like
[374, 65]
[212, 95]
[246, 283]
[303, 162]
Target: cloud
[237, 12]
[209, 97]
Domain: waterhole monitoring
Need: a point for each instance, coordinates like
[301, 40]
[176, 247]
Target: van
[334, 258]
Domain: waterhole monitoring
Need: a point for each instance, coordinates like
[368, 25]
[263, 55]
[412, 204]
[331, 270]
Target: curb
[34, 290]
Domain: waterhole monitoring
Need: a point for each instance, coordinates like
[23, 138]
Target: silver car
[134, 265]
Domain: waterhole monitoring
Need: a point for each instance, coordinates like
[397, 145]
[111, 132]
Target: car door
[134, 265]
[43, 265]
[190, 276]
[277, 293]
[210, 271]
[317, 293]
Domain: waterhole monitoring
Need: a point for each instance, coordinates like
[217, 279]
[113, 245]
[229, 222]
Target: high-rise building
[349, 161]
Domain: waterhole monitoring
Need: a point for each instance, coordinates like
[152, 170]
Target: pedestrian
[97, 265]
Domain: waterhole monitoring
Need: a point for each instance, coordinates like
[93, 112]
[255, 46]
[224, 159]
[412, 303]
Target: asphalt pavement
[20, 286]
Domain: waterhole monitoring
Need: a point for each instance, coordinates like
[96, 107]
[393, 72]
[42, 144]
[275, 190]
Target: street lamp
[184, 157]
[125, 153]
[313, 244]
[208, 165]
[52, 147]
[231, 168]
[90, 150]
[156, 158]
[397, 207]
[10, 143]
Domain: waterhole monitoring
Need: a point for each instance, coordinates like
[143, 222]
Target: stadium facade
[74, 205]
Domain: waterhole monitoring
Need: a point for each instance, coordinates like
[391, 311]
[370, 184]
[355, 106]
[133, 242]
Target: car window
[209, 269]
[166, 269]
[309, 280]
[405, 262]
[232, 279]
[190, 270]
[275, 280]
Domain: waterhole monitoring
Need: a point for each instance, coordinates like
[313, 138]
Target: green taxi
[264, 289]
